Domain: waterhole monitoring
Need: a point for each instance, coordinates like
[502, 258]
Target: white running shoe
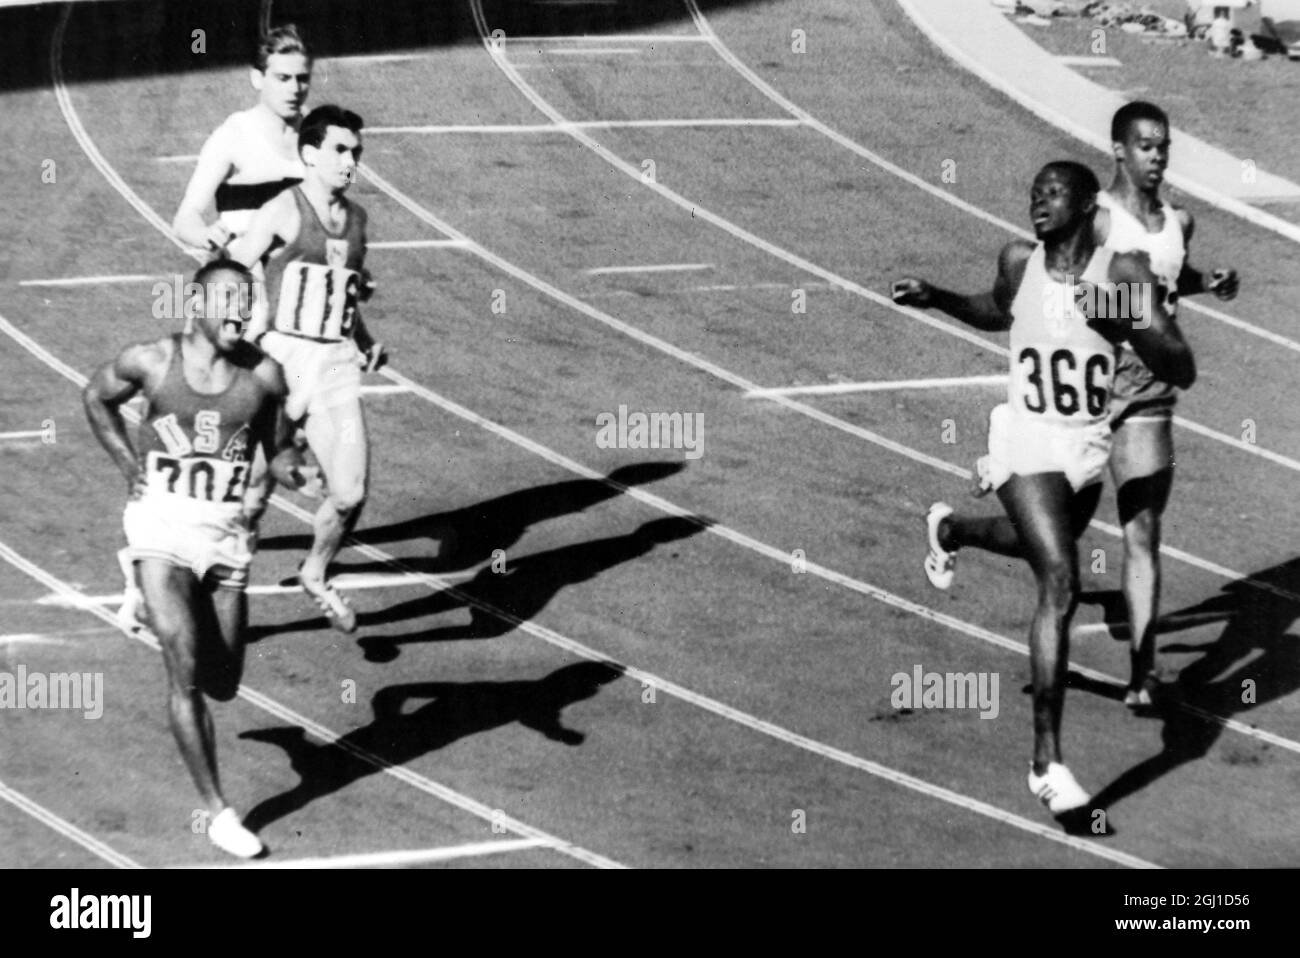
[940, 564]
[336, 608]
[228, 833]
[1057, 789]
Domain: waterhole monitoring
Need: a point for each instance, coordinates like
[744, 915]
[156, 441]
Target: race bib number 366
[1062, 383]
[197, 477]
[317, 301]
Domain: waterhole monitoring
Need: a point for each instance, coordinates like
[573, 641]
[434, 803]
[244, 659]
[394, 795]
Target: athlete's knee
[1142, 535]
[347, 497]
[1058, 583]
[221, 679]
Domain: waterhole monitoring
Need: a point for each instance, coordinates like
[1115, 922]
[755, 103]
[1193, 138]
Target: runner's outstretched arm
[989, 311]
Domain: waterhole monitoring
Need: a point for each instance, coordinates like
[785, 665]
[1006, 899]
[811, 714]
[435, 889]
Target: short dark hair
[1081, 177]
[314, 125]
[222, 264]
[282, 39]
[1130, 113]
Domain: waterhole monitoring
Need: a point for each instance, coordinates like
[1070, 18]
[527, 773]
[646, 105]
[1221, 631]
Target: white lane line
[560, 641]
[567, 125]
[700, 212]
[93, 280]
[591, 51]
[49, 638]
[417, 244]
[707, 34]
[661, 268]
[23, 434]
[1087, 60]
[651, 38]
[283, 712]
[417, 856]
[66, 828]
[831, 389]
[358, 581]
[387, 389]
[178, 158]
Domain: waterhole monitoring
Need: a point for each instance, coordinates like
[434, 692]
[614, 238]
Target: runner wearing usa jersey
[314, 241]
[211, 400]
[251, 157]
[1133, 218]
[1049, 443]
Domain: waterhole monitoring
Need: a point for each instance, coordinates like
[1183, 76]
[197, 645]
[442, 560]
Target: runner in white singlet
[1048, 444]
[1133, 218]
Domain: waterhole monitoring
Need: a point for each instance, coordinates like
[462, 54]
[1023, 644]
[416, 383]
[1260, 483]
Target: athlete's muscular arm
[112, 385]
[1155, 337]
[278, 218]
[275, 437]
[1222, 282]
[988, 311]
[199, 202]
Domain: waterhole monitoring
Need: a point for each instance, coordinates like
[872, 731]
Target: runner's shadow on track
[1252, 662]
[470, 535]
[399, 734]
[520, 593]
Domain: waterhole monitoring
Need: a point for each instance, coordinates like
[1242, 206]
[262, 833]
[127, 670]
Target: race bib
[196, 477]
[317, 301]
[1062, 383]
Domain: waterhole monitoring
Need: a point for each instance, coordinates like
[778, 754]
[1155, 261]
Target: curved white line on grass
[283, 712]
[498, 55]
[66, 828]
[721, 49]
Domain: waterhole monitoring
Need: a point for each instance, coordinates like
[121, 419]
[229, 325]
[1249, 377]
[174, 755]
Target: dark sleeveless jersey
[199, 445]
[313, 281]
